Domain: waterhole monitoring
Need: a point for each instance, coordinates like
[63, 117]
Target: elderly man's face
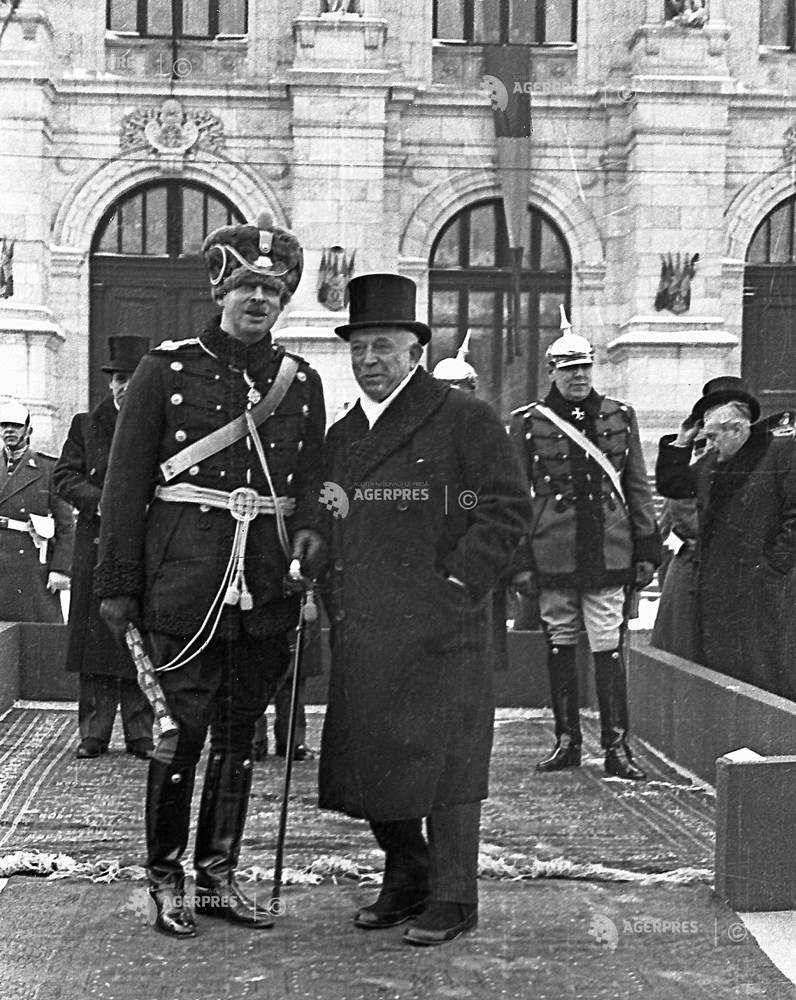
[118, 384]
[381, 358]
[13, 434]
[573, 382]
[725, 433]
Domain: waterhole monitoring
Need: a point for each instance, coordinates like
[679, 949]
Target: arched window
[507, 22]
[147, 276]
[768, 351]
[472, 290]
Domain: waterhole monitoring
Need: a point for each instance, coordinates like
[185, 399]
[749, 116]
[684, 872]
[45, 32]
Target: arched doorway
[471, 289]
[147, 277]
[768, 354]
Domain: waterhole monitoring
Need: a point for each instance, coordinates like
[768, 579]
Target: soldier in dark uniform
[36, 527]
[593, 538]
[107, 674]
[203, 509]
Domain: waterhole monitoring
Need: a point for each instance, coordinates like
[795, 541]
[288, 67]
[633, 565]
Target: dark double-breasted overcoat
[745, 556]
[78, 477]
[174, 555]
[23, 578]
[432, 488]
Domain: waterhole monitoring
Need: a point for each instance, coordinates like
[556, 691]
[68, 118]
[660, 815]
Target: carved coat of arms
[333, 277]
[170, 130]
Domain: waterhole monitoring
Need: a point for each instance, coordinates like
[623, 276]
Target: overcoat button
[176, 366]
[301, 376]
[299, 446]
[305, 410]
[92, 472]
[289, 478]
[339, 616]
[180, 436]
[176, 398]
[338, 565]
[194, 470]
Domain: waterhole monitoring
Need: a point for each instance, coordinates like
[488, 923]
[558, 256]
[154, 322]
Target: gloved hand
[58, 581]
[524, 583]
[644, 573]
[118, 612]
[310, 550]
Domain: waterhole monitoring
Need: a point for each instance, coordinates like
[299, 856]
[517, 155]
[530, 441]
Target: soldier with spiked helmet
[591, 541]
[211, 492]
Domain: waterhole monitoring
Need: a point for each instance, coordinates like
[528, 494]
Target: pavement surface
[590, 888]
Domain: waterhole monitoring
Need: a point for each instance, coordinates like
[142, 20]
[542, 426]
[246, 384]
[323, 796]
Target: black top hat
[377, 300]
[725, 389]
[124, 353]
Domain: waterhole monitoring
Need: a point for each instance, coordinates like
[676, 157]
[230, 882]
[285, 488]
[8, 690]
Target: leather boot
[611, 686]
[168, 812]
[405, 886]
[566, 710]
[222, 816]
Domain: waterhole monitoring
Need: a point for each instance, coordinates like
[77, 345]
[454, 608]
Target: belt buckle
[242, 503]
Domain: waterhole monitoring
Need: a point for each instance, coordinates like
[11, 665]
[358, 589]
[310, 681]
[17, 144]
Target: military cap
[13, 412]
[252, 253]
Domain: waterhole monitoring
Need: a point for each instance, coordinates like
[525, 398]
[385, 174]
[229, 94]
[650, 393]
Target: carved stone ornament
[333, 276]
[674, 288]
[170, 131]
[789, 149]
[341, 7]
[686, 13]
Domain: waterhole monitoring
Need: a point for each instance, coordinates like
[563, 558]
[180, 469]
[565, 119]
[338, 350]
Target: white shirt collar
[374, 410]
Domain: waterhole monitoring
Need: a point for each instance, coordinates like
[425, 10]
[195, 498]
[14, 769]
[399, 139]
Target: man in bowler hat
[211, 492]
[435, 506]
[107, 674]
[745, 490]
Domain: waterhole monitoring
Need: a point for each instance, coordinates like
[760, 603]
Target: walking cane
[308, 612]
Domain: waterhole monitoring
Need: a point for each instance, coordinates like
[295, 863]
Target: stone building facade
[129, 125]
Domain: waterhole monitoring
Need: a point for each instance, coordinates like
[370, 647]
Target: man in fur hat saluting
[211, 490]
[428, 504]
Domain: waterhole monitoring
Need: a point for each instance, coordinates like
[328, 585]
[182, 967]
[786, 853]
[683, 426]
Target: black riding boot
[222, 815]
[566, 710]
[168, 814]
[612, 698]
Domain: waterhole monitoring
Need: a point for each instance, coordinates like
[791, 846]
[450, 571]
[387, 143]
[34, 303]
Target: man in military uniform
[592, 539]
[36, 527]
[107, 673]
[212, 488]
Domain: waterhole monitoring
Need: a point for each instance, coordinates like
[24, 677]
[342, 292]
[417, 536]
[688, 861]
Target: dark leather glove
[118, 612]
[310, 550]
[524, 583]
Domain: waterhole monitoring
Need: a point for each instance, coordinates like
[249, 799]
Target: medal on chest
[253, 395]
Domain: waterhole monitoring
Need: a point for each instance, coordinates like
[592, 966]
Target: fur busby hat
[252, 253]
[381, 300]
[725, 389]
[124, 353]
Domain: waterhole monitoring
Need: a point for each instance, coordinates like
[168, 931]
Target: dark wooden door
[768, 356]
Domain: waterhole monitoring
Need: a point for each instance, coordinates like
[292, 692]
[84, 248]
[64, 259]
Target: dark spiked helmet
[260, 254]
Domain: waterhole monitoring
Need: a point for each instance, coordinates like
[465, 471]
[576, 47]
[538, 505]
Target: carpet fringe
[334, 868]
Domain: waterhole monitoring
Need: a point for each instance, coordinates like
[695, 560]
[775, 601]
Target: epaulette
[175, 345]
[523, 409]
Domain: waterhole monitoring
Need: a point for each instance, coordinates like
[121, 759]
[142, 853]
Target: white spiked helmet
[569, 349]
[457, 369]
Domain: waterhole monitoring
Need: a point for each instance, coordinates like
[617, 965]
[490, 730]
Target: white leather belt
[13, 525]
[243, 503]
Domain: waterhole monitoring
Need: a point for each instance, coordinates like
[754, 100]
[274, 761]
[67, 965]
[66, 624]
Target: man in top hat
[592, 540]
[745, 490]
[427, 506]
[107, 674]
[212, 490]
[36, 527]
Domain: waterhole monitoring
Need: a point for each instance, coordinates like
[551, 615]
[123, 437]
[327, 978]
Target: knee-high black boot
[222, 816]
[405, 887]
[566, 710]
[168, 814]
[611, 685]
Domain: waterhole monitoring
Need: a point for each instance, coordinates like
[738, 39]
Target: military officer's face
[118, 384]
[13, 434]
[382, 358]
[249, 312]
[574, 383]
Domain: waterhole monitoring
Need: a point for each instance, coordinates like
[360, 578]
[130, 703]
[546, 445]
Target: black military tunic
[173, 555]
